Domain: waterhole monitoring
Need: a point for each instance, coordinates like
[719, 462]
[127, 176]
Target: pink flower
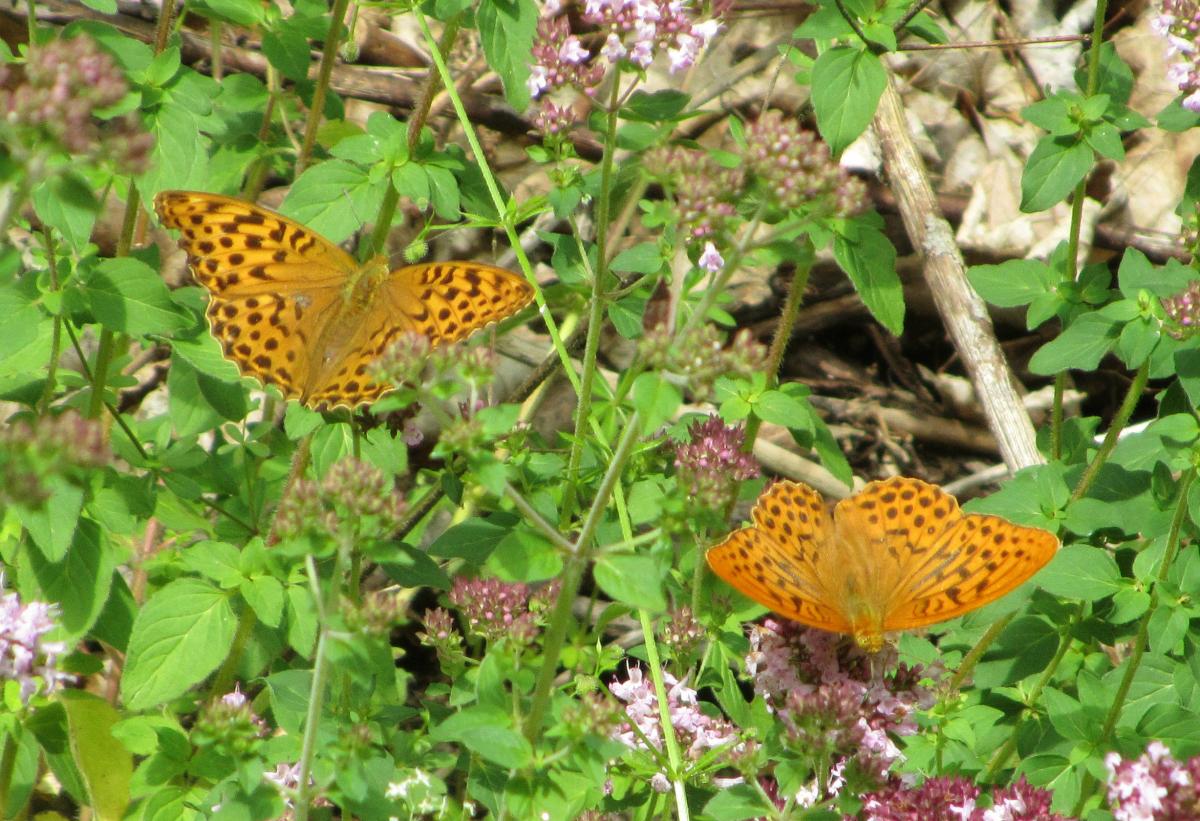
[711, 260]
[24, 656]
[1153, 786]
[696, 732]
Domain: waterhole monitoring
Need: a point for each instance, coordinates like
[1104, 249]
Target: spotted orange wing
[777, 561]
[296, 311]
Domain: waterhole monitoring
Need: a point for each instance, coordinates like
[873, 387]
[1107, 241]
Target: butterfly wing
[777, 561]
[449, 301]
[275, 284]
[975, 561]
[924, 561]
[444, 301]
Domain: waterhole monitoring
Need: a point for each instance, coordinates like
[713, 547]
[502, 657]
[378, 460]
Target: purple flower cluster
[682, 634]
[833, 708]
[956, 797]
[231, 726]
[797, 169]
[1154, 786]
[67, 85]
[1179, 25]
[24, 656]
[696, 732]
[634, 30]
[1183, 310]
[498, 610]
[711, 463]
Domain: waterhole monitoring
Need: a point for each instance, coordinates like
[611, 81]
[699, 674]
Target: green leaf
[473, 540]
[80, 581]
[287, 50]
[444, 192]
[655, 399]
[412, 181]
[487, 732]
[506, 29]
[1174, 726]
[105, 765]
[525, 555]
[1136, 273]
[66, 203]
[1055, 167]
[413, 568]
[52, 526]
[1080, 347]
[778, 408]
[632, 580]
[657, 106]
[626, 315]
[868, 258]
[1013, 283]
[738, 803]
[846, 86]
[180, 636]
[1080, 572]
[264, 594]
[333, 198]
[1164, 440]
[128, 296]
[643, 258]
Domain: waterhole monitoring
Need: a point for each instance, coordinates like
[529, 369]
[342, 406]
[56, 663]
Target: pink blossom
[711, 260]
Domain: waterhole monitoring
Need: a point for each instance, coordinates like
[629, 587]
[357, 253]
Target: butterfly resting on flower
[899, 554]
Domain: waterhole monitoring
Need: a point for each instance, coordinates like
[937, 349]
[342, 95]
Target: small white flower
[711, 260]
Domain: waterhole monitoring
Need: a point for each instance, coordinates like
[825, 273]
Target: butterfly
[294, 310]
[897, 555]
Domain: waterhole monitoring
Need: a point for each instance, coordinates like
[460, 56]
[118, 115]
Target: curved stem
[1120, 420]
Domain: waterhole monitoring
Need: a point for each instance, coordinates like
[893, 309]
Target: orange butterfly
[296, 311]
[897, 555]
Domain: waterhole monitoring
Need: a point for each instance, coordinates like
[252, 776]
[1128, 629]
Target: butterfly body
[898, 555]
[292, 309]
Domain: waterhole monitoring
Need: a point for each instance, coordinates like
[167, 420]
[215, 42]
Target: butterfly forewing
[235, 247]
[776, 561]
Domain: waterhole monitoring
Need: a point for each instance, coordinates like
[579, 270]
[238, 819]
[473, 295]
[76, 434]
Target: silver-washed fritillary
[898, 554]
[296, 311]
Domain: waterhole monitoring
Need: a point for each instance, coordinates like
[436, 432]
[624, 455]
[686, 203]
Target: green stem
[497, 200]
[664, 716]
[324, 73]
[316, 701]
[8, 763]
[1071, 270]
[1120, 420]
[56, 338]
[245, 630]
[783, 334]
